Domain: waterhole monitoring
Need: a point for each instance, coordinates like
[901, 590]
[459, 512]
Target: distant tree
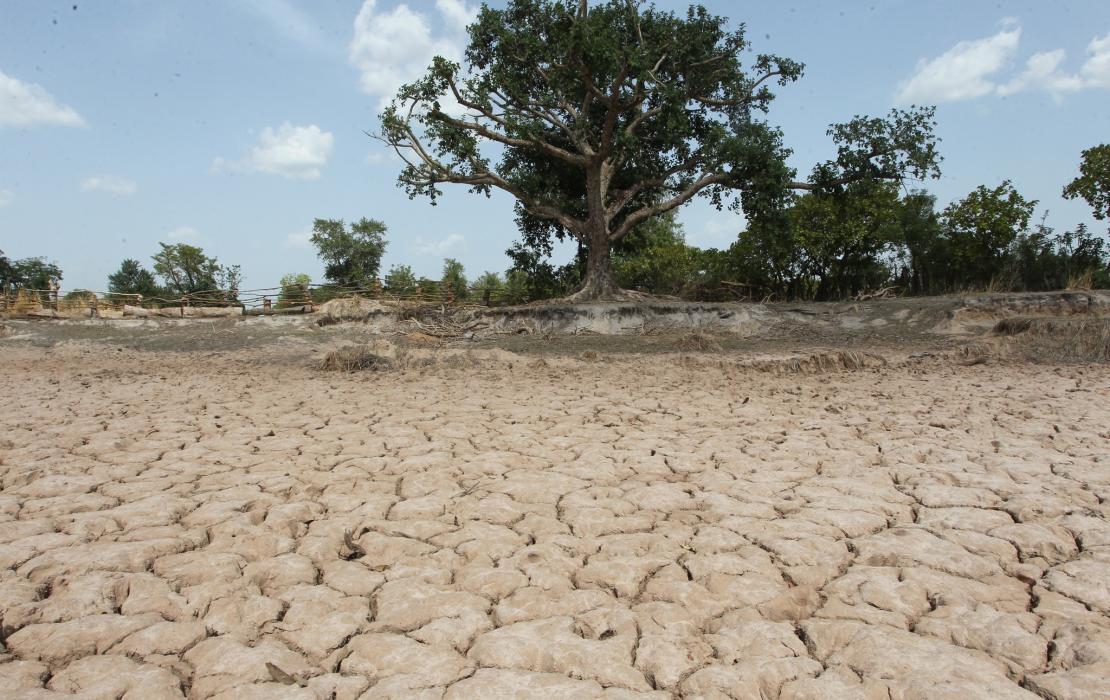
[133, 278]
[185, 269]
[35, 273]
[488, 287]
[229, 280]
[516, 287]
[78, 295]
[609, 115]
[400, 280]
[454, 277]
[7, 272]
[294, 289]
[352, 256]
[1093, 183]
[844, 237]
[488, 280]
[655, 258]
[922, 241]
[981, 227]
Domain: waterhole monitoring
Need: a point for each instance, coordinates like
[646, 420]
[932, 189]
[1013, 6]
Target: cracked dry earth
[212, 527]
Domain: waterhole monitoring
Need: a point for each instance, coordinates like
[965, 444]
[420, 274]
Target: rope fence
[302, 297]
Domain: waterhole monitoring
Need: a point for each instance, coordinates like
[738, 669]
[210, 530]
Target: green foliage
[981, 227]
[294, 290]
[7, 272]
[536, 277]
[400, 280]
[454, 277]
[34, 273]
[185, 269]
[352, 256]
[133, 278]
[843, 237]
[517, 288]
[79, 295]
[655, 258]
[1093, 183]
[610, 116]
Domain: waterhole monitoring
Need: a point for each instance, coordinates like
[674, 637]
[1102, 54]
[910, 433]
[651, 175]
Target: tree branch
[706, 180]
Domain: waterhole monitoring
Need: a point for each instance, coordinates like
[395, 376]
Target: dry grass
[818, 363]
[1081, 282]
[26, 302]
[697, 341]
[354, 359]
[1048, 339]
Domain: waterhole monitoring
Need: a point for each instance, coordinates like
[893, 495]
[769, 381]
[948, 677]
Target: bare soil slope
[225, 519]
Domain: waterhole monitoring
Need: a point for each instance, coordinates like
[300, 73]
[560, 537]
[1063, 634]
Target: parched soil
[231, 521]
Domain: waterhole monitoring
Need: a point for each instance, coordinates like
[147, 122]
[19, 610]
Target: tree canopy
[608, 116]
[133, 278]
[352, 255]
[1093, 183]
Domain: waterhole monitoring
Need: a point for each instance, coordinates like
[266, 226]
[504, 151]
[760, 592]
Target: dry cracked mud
[179, 524]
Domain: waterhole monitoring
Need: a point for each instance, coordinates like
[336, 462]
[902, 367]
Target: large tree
[1093, 183]
[608, 116]
[188, 271]
[352, 256]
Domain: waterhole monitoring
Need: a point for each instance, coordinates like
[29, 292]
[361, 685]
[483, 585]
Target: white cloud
[301, 239]
[457, 15]
[968, 70]
[392, 47]
[28, 104]
[6, 198]
[117, 186]
[183, 234]
[1096, 71]
[440, 247]
[963, 72]
[290, 151]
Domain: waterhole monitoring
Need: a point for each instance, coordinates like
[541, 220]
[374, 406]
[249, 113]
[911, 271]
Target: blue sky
[232, 125]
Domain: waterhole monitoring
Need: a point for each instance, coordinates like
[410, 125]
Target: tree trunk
[597, 284]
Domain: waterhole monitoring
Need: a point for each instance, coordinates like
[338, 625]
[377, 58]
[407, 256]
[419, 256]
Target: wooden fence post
[265, 306]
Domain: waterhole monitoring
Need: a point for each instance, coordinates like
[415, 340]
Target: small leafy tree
[1093, 183]
[655, 258]
[611, 115]
[454, 277]
[185, 269]
[400, 280]
[981, 227]
[517, 287]
[352, 256]
[294, 289]
[922, 242]
[133, 278]
[489, 287]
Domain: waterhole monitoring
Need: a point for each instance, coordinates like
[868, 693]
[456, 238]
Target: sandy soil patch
[198, 525]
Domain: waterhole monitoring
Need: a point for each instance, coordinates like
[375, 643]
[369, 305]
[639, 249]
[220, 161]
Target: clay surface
[241, 525]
